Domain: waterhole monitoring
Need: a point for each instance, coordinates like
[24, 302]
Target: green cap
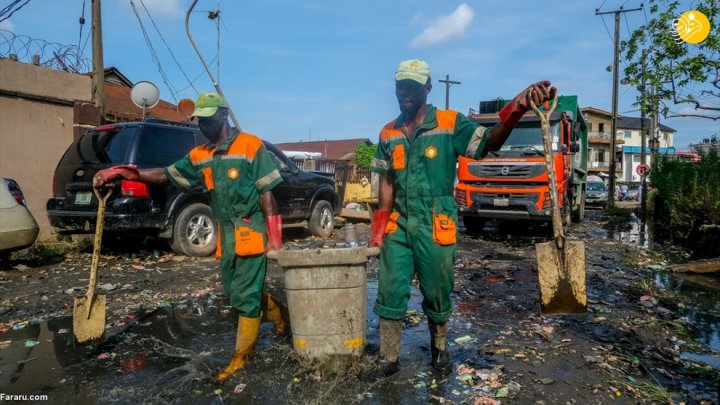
[413, 69]
[207, 105]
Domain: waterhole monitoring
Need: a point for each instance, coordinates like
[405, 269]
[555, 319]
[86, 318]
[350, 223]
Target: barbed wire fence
[67, 58]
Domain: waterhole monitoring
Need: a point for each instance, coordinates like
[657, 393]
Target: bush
[684, 199]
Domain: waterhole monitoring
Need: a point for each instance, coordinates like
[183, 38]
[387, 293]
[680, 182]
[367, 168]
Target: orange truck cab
[512, 183]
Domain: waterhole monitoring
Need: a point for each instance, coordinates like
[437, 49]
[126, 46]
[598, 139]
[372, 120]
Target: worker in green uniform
[415, 223]
[238, 174]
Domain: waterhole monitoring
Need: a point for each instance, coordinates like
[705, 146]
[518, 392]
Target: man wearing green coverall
[238, 174]
[415, 223]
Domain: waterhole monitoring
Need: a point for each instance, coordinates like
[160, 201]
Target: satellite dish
[145, 95]
[186, 107]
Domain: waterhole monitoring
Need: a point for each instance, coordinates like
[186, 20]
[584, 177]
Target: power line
[153, 54]
[82, 23]
[167, 46]
[8, 11]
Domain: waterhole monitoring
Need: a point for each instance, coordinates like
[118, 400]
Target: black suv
[183, 218]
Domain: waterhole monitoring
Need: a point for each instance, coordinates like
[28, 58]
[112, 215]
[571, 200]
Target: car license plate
[83, 198]
[501, 202]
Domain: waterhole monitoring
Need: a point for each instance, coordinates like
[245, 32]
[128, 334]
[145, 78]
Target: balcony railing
[602, 137]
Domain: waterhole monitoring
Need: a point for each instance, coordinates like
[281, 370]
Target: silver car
[18, 228]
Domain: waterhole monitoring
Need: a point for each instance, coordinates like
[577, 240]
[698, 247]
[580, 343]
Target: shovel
[561, 264]
[89, 311]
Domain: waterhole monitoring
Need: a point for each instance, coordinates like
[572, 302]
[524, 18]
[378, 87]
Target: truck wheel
[578, 214]
[322, 219]
[473, 224]
[194, 231]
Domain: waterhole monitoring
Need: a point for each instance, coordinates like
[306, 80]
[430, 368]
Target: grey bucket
[327, 299]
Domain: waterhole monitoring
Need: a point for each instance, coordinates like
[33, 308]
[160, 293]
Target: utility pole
[98, 77]
[616, 67]
[654, 141]
[448, 83]
[643, 139]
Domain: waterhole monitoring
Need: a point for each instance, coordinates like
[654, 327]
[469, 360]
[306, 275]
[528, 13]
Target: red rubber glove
[274, 232]
[540, 93]
[127, 172]
[377, 227]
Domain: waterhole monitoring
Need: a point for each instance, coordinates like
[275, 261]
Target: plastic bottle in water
[350, 235]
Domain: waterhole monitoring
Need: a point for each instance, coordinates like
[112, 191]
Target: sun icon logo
[691, 27]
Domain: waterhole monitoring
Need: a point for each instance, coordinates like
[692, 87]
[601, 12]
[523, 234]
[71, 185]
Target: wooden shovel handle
[96, 246]
[558, 233]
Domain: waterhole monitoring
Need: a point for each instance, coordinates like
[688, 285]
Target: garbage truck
[512, 183]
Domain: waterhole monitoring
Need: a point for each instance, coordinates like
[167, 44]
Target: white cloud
[445, 28]
[7, 25]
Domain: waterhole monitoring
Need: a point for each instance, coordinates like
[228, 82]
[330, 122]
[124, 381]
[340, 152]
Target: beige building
[628, 144]
[39, 108]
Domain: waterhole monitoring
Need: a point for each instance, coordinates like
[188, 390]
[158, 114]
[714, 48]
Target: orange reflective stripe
[218, 245]
[446, 119]
[200, 153]
[246, 147]
[207, 174]
[398, 156]
[389, 131]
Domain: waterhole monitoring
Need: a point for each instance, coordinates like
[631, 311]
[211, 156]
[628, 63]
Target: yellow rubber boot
[247, 335]
[275, 312]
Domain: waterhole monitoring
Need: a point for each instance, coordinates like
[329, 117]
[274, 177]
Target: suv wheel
[322, 219]
[194, 231]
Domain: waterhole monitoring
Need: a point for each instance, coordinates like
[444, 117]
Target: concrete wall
[36, 127]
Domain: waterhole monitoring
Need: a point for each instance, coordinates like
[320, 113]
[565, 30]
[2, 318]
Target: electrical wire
[153, 54]
[8, 11]
[168, 46]
[82, 23]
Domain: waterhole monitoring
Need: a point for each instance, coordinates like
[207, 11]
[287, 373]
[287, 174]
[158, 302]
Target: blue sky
[312, 70]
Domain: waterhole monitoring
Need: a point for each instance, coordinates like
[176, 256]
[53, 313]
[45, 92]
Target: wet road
[501, 347]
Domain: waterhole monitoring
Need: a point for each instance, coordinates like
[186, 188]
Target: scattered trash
[239, 388]
[108, 287]
[63, 331]
[5, 344]
[412, 318]
[103, 356]
[31, 343]
[464, 339]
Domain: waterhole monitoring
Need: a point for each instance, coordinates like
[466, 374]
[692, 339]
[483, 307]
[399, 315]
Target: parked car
[18, 228]
[596, 193]
[184, 219]
[633, 193]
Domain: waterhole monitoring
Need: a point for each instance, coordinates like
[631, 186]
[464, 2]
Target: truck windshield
[526, 139]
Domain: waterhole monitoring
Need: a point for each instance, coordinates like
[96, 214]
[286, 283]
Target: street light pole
[643, 139]
[98, 77]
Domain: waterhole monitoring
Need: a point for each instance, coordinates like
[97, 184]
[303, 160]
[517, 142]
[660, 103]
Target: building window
[601, 127]
[628, 134]
[601, 155]
[589, 126]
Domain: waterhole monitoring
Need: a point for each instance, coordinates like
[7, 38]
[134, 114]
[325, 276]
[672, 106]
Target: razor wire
[53, 55]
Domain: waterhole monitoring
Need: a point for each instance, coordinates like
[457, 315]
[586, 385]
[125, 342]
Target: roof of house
[338, 149]
[625, 122]
[634, 123]
[119, 105]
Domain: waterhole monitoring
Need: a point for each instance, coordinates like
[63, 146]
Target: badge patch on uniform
[233, 173]
[431, 152]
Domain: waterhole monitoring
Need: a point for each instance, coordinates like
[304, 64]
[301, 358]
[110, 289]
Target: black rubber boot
[439, 347]
[390, 336]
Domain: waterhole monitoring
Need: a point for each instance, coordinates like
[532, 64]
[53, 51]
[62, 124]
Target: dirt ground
[648, 336]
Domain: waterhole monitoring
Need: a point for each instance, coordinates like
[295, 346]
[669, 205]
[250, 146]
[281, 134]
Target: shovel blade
[91, 328]
[561, 277]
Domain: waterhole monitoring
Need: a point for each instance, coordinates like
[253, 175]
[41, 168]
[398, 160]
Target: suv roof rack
[168, 122]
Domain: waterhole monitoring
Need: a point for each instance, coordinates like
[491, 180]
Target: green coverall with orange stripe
[234, 173]
[421, 233]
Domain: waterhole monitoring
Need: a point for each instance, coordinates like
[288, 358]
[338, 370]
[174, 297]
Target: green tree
[683, 74]
[364, 154]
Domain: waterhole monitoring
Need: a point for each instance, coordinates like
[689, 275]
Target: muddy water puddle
[169, 354]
